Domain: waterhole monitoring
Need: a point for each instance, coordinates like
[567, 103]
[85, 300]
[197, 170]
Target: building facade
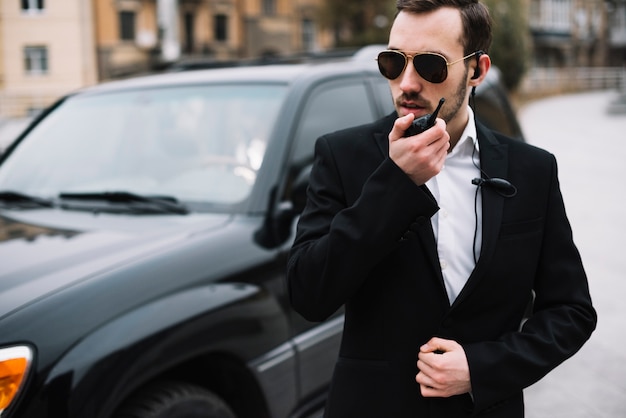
[46, 49]
[141, 35]
[578, 33]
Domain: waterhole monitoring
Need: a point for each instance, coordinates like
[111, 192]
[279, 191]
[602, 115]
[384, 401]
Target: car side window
[331, 106]
[383, 93]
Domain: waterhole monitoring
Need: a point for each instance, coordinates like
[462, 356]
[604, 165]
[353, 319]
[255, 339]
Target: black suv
[144, 227]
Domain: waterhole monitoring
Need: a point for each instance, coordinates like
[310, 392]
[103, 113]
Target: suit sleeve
[562, 320]
[339, 241]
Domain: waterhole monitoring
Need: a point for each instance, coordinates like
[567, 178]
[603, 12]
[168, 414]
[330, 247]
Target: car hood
[42, 251]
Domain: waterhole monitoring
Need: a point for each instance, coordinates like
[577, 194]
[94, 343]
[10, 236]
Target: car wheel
[174, 399]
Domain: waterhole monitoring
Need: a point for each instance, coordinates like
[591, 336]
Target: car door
[382, 93]
[328, 106]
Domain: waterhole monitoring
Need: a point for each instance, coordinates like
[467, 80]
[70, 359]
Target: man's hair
[477, 22]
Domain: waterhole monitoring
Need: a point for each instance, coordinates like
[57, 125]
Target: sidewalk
[589, 142]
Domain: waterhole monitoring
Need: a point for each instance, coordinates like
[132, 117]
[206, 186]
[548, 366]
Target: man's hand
[421, 156]
[444, 371]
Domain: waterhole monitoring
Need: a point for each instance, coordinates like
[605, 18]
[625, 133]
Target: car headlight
[14, 365]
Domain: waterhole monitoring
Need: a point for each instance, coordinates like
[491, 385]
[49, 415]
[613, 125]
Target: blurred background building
[48, 48]
[582, 33]
[577, 44]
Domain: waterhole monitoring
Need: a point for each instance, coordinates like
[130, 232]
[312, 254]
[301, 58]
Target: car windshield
[200, 144]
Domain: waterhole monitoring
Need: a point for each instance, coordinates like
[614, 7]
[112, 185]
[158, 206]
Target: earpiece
[477, 71]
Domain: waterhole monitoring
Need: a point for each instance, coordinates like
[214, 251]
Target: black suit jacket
[365, 241]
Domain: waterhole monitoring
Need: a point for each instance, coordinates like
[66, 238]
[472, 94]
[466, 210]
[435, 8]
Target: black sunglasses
[431, 66]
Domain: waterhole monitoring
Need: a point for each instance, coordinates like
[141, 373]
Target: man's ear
[483, 63]
[477, 71]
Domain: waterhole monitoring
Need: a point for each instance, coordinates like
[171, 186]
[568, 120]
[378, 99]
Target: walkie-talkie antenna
[433, 117]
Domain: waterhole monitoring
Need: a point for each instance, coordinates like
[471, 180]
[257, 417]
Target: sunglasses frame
[410, 55]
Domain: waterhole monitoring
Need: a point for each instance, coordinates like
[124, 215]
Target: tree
[510, 49]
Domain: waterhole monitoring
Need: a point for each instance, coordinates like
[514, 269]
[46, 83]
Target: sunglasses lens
[391, 64]
[431, 67]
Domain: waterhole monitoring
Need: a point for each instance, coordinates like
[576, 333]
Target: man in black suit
[436, 242]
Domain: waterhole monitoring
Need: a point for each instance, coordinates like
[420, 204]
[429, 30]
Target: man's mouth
[413, 105]
[415, 108]
[409, 105]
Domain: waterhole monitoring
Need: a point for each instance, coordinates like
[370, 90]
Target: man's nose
[410, 80]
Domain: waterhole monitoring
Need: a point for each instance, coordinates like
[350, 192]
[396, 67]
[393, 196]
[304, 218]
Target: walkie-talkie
[422, 123]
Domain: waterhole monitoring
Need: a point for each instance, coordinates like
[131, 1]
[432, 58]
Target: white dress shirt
[460, 214]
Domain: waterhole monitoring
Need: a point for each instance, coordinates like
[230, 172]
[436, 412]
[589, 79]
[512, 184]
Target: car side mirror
[279, 219]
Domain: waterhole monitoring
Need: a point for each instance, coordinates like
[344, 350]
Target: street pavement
[589, 142]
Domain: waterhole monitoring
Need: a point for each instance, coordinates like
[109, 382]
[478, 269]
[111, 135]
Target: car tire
[167, 399]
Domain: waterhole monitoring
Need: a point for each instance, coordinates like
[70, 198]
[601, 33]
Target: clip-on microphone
[501, 186]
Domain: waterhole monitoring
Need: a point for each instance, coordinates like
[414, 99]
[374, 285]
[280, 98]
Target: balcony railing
[556, 80]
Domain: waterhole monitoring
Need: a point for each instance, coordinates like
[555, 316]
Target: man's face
[441, 32]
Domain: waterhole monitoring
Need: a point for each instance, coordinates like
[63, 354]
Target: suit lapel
[494, 162]
[381, 133]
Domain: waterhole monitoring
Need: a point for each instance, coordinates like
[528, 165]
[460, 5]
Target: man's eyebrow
[391, 48]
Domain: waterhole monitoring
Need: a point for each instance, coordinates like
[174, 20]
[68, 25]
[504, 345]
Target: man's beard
[454, 104]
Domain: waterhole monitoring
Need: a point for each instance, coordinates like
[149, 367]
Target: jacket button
[407, 236]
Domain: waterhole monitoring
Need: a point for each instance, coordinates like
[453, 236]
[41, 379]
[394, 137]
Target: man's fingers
[429, 387]
[425, 380]
[400, 126]
[443, 368]
[438, 345]
[424, 366]
[421, 156]
[442, 140]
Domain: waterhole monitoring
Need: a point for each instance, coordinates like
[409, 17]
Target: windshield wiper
[120, 201]
[12, 199]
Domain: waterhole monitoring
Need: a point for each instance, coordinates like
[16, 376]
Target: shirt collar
[468, 143]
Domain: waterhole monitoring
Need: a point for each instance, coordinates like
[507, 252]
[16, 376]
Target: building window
[127, 26]
[189, 33]
[36, 59]
[269, 7]
[308, 35]
[551, 15]
[563, 14]
[32, 6]
[221, 27]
